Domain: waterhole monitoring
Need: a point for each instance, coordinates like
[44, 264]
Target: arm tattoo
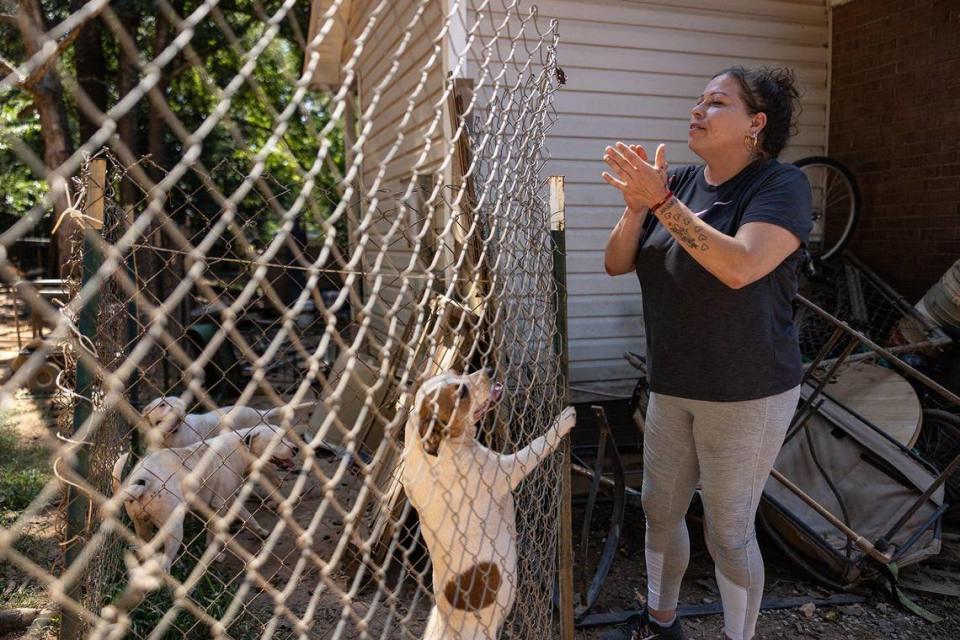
[674, 219]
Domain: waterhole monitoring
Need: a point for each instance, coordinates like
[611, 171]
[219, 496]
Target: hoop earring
[751, 142]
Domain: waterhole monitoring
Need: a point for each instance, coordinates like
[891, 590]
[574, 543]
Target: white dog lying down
[154, 489]
[179, 428]
[462, 492]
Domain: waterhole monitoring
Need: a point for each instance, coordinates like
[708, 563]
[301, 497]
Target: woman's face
[719, 122]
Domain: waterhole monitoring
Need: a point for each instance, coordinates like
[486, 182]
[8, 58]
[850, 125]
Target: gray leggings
[729, 447]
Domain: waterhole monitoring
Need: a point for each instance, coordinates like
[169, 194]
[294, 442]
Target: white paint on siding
[633, 71]
[404, 138]
[327, 44]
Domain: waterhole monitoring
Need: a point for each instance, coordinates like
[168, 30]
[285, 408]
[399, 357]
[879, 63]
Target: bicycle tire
[939, 444]
[839, 191]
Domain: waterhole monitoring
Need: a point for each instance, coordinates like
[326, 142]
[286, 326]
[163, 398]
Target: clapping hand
[642, 184]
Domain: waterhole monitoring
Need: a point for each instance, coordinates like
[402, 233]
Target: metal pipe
[78, 503]
[939, 480]
[857, 539]
[810, 367]
[801, 421]
[886, 353]
[581, 570]
[912, 540]
[631, 493]
[906, 348]
[819, 387]
[898, 300]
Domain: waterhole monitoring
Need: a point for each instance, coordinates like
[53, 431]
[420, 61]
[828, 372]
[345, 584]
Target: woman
[717, 249]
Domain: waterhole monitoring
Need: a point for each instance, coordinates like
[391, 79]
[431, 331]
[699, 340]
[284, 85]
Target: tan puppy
[154, 490]
[462, 492]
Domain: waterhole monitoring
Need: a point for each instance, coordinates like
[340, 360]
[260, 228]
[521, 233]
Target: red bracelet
[654, 208]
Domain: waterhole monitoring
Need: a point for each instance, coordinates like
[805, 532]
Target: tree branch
[33, 31]
[31, 81]
[7, 68]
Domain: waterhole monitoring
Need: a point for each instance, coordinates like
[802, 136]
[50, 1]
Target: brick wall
[895, 122]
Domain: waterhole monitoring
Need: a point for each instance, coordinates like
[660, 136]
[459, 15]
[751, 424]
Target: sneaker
[640, 627]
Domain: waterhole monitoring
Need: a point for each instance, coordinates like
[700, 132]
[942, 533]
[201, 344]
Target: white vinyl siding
[633, 71]
[408, 90]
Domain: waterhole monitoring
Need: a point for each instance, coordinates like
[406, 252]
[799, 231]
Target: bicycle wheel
[939, 444]
[836, 205]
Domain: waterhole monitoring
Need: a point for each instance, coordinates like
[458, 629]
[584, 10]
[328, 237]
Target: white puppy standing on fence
[462, 493]
[154, 492]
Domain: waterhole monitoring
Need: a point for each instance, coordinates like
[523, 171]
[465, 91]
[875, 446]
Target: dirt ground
[876, 617]
[283, 567]
[28, 429]
[31, 419]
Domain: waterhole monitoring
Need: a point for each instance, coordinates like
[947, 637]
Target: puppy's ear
[439, 405]
[412, 387]
[436, 410]
[178, 405]
[157, 411]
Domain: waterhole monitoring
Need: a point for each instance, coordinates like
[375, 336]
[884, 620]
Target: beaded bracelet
[666, 199]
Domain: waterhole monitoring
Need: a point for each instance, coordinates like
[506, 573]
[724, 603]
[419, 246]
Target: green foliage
[24, 468]
[253, 118]
[213, 593]
[192, 94]
[20, 189]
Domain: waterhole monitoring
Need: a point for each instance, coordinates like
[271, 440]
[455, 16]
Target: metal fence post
[558, 235]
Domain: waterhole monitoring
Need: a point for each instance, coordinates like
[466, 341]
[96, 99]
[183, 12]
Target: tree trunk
[156, 129]
[47, 94]
[91, 70]
[168, 267]
[130, 194]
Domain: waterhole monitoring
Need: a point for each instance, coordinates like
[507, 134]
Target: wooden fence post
[558, 235]
[78, 504]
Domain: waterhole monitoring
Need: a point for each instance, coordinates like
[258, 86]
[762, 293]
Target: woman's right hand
[635, 206]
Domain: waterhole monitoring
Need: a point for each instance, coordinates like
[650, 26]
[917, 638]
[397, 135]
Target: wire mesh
[258, 274]
[850, 292]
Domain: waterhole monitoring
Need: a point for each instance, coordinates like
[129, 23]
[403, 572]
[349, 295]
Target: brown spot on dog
[474, 589]
[440, 415]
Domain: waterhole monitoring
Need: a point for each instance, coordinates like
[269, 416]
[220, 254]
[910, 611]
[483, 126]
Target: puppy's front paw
[568, 418]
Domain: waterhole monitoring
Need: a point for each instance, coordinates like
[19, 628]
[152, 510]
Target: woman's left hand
[642, 184]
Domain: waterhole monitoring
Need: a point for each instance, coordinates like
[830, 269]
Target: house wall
[400, 84]
[633, 71]
[895, 122]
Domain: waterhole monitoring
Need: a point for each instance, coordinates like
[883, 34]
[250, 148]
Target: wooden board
[880, 395]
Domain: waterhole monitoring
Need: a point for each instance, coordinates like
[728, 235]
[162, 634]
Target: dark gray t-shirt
[706, 341]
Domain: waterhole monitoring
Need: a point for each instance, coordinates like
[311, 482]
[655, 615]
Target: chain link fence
[284, 220]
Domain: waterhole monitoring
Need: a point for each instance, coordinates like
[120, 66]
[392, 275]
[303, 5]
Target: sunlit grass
[24, 464]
